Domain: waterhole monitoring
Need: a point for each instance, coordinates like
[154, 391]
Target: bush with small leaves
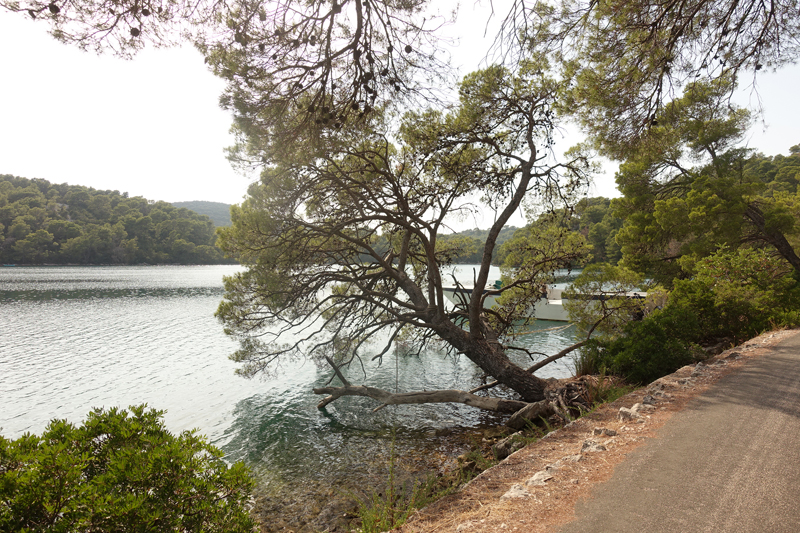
[120, 471]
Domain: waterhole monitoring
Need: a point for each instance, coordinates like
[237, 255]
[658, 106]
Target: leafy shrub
[648, 349]
[121, 472]
[734, 295]
[738, 294]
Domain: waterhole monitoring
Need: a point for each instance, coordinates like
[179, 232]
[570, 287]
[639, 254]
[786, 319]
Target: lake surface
[74, 338]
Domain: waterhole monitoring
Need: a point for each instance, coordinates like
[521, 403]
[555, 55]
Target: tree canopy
[42, 222]
[677, 213]
[339, 60]
[308, 230]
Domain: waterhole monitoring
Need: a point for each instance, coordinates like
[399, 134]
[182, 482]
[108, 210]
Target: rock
[516, 491]
[649, 399]
[604, 431]
[572, 458]
[530, 414]
[592, 446]
[640, 408]
[539, 478]
[626, 414]
[508, 445]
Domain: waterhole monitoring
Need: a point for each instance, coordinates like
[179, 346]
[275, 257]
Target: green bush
[647, 349]
[120, 472]
[738, 295]
[733, 295]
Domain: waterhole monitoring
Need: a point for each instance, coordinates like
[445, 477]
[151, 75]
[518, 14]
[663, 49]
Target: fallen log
[401, 398]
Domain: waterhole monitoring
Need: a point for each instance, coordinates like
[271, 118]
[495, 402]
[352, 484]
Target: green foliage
[738, 294]
[610, 308]
[676, 214]
[120, 471]
[532, 257]
[41, 222]
[734, 295]
[592, 218]
[368, 214]
[647, 349]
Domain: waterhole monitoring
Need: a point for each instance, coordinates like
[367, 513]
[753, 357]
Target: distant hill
[218, 212]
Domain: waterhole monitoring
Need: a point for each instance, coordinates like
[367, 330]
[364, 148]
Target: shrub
[738, 294]
[647, 349]
[122, 472]
[734, 295]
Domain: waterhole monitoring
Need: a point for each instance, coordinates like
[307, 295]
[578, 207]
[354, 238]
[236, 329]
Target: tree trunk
[491, 358]
[775, 238]
[440, 396]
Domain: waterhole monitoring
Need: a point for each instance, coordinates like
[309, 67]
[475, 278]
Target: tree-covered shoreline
[43, 223]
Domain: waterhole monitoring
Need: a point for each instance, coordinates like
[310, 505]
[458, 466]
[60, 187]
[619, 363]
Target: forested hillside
[218, 212]
[46, 223]
[467, 246]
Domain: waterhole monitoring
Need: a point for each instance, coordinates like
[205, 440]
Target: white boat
[550, 308]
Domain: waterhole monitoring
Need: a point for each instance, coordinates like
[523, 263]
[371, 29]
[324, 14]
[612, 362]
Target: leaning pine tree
[319, 283]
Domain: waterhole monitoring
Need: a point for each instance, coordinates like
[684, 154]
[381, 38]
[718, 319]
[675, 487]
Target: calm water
[74, 338]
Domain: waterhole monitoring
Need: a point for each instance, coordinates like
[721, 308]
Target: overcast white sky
[152, 126]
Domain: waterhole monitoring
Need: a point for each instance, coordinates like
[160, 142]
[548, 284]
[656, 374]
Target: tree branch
[440, 396]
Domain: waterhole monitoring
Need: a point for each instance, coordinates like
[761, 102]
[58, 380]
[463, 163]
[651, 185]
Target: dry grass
[479, 506]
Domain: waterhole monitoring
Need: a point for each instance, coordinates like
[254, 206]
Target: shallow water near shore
[75, 338]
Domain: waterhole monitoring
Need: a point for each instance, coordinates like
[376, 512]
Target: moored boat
[549, 308]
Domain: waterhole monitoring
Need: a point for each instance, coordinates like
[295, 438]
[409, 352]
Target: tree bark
[440, 396]
[491, 358]
[775, 238]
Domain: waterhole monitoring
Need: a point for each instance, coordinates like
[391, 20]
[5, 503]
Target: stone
[604, 431]
[507, 446]
[649, 399]
[516, 491]
[572, 458]
[592, 446]
[539, 478]
[626, 414]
